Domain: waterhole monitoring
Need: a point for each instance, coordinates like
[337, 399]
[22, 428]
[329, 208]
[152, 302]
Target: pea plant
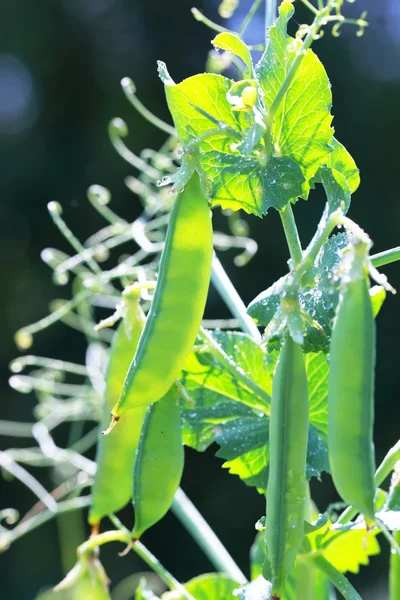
[285, 387]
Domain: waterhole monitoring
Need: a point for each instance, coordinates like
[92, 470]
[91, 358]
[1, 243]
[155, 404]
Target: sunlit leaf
[211, 586]
[232, 43]
[302, 126]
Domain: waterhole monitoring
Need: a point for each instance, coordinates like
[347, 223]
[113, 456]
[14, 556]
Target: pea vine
[259, 142]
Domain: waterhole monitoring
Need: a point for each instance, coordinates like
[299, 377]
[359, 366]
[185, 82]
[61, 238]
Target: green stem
[388, 464]
[338, 579]
[130, 92]
[16, 429]
[18, 364]
[394, 573]
[147, 557]
[8, 537]
[392, 542]
[9, 465]
[203, 19]
[246, 21]
[55, 211]
[161, 571]
[291, 233]
[55, 316]
[311, 7]
[237, 373]
[270, 16]
[233, 301]
[386, 257]
[383, 471]
[99, 197]
[200, 530]
[118, 129]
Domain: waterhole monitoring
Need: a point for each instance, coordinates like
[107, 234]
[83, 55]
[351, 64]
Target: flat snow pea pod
[178, 304]
[351, 389]
[287, 487]
[112, 488]
[159, 462]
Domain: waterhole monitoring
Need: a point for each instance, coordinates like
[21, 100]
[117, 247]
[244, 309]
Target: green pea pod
[286, 493]
[351, 389]
[178, 304]
[112, 488]
[159, 462]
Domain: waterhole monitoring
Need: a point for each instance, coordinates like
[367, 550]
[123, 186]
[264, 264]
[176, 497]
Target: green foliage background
[75, 52]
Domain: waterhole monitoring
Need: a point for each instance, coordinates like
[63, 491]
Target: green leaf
[203, 115]
[207, 92]
[232, 43]
[346, 548]
[238, 182]
[225, 413]
[318, 302]
[203, 368]
[211, 586]
[336, 189]
[341, 161]
[302, 126]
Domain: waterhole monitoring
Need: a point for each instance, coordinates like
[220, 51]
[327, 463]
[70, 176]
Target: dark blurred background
[60, 67]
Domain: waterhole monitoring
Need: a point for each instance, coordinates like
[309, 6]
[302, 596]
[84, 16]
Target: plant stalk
[270, 15]
[124, 535]
[246, 21]
[386, 257]
[394, 573]
[199, 529]
[291, 233]
[10, 536]
[233, 301]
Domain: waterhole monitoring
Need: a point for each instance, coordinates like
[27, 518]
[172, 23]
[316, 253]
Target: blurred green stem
[199, 529]
[10, 536]
[270, 15]
[252, 11]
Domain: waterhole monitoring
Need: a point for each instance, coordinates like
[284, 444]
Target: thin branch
[199, 529]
